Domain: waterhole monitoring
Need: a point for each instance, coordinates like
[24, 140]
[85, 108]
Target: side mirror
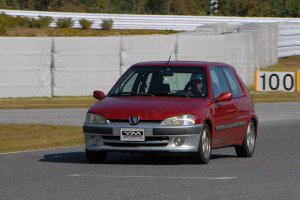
[226, 96]
[98, 95]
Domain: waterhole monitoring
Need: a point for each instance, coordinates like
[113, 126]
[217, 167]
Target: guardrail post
[297, 81]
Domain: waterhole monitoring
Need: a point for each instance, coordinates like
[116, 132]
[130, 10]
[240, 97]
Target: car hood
[147, 108]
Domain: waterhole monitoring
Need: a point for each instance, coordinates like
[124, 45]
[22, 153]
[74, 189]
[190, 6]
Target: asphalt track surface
[272, 173]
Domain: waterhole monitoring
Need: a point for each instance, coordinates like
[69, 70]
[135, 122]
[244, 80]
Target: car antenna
[171, 54]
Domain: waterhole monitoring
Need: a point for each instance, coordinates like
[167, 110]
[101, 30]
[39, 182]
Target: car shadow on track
[127, 158]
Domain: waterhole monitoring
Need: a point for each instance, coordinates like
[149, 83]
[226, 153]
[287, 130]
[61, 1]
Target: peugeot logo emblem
[134, 120]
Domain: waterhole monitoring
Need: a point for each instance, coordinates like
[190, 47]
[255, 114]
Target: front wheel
[248, 146]
[95, 156]
[204, 149]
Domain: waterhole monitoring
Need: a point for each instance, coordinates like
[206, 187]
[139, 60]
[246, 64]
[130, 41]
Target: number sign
[276, 81]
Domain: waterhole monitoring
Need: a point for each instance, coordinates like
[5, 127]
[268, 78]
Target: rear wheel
[204, 149]
[248, 146]
[95, 156]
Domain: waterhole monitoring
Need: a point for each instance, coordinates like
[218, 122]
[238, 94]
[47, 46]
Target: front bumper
[158, 138]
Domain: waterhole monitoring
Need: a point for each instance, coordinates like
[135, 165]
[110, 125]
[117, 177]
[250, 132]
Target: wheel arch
[255, 121]
[210, 125]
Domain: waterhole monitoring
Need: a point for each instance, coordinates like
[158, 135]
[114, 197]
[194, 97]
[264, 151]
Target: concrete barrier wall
[82, 64]
[241, 54]
[200, 47]
[25, 67]
[32, 67]
[265, 39]
[145, 48]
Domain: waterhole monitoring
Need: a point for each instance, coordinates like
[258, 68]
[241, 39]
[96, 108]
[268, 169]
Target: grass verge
[86, 102]
[275, 97]
[288, 64]
[44, 102]
[75, 32]
[28, 137]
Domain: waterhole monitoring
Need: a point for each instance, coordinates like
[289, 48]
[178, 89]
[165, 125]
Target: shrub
[7, 20]
[107, 24]
[85, 24]
[22, 21]
[40, 22]
[2, 31]
[11, 21]
[64, 23]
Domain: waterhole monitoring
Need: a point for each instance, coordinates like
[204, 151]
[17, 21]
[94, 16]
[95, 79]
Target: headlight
[183, 120]
[95, 119]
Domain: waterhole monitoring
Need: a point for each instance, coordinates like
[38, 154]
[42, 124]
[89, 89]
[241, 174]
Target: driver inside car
[196, 85]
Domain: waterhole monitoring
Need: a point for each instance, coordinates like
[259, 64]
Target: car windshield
[162, 81]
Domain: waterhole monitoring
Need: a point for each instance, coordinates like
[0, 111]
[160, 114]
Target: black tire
[95, 156]
[248, 146]
[203, 154]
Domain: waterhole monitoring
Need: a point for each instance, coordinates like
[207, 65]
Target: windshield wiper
[180, 95]
[155, 94]
[145, 95]
[161, 94]
[130, 94]
[171, 94]
[124, 94]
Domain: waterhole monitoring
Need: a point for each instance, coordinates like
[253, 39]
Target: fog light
[94, 140]
[178, 141]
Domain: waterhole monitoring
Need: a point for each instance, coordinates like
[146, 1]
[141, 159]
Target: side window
[138, 82]
[233, 82]
[219, 83]
[128, 85]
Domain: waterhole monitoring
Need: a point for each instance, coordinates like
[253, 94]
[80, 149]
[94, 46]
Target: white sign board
[276, 81]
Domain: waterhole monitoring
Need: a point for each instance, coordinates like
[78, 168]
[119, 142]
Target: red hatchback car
[188, 107]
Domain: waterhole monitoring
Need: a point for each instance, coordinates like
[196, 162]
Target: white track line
[27, 151]
[153, 177]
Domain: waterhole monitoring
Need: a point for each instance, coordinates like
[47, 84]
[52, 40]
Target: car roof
[180, 63]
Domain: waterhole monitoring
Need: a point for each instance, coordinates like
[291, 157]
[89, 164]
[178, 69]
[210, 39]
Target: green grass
[28, 137]
[44, 102]
[86, 102]
[290, 64]
[275, 97]
[75, 32]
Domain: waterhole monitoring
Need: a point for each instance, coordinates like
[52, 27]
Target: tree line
[251, 8]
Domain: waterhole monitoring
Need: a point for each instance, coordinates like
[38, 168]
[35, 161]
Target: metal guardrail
[288, 39]
[288, 36]
[129, 21]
